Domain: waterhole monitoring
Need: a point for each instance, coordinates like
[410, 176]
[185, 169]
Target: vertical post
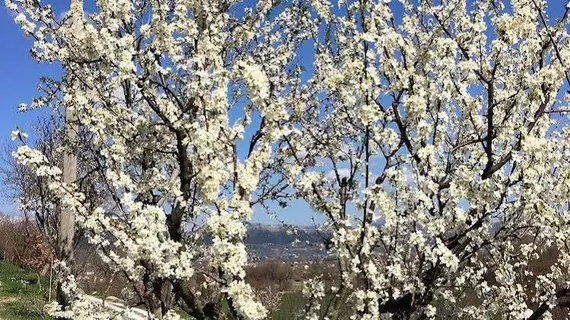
[66, 217]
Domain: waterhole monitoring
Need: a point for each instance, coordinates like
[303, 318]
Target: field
[290, 305]
[22, 294]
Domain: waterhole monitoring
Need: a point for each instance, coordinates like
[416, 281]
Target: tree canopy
[431, 135]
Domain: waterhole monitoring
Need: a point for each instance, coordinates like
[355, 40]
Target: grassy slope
[22, 294]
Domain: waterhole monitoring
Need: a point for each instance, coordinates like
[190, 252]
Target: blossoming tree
[435, 142]
[168, 92]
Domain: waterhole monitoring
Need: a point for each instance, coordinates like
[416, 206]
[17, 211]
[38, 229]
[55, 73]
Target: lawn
[23, 294]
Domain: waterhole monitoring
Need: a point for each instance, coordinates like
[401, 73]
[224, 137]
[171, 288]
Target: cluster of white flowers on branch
[156, 86]
[434, 141]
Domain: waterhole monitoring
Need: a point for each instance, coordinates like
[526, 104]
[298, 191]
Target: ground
[23, 294]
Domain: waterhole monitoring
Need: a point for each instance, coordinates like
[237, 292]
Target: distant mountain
[258, 233]
[280, 242]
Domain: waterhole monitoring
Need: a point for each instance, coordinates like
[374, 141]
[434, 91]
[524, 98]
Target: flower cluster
[156, 87]
[435, 148]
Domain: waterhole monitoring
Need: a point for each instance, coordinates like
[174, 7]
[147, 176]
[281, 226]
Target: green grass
[293, 304]
[22, 294]
[290, 305]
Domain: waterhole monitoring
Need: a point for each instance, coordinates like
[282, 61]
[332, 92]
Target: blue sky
[19, 76]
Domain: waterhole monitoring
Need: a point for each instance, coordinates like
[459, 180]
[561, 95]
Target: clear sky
[19, 77]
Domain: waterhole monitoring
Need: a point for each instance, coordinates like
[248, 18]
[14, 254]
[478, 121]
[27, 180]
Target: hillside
[279, 242]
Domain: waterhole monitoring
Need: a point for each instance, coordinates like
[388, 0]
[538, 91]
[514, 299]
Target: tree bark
[66, 232]
[66, 216]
